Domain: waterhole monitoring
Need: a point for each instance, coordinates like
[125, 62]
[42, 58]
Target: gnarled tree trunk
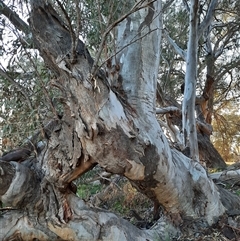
[112, 126]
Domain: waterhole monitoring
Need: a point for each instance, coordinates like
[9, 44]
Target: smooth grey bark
[137, 63]
[188, 105]
[202, 103]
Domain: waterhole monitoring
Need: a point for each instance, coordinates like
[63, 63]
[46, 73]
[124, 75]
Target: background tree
[209, 68]
[226, 139]
[99, 117]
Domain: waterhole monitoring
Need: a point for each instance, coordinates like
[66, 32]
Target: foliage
[115, 193]
[121, 197]
[86, 190]
[226, 137]
[172, 70]
[28, 99]
[90, 19]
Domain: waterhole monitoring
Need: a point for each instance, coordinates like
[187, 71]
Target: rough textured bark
[113, 127]
[86, 224]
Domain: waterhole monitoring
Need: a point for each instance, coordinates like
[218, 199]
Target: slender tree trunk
[210, 61]
[188, 105]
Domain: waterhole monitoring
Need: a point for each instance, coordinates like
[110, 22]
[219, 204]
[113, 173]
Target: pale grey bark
[178, 50]
[136, 61]
[114, 127]
[208, 18]
[188, 105]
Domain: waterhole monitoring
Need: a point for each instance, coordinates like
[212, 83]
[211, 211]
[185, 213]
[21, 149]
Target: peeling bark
[85, 224]
[114, 128]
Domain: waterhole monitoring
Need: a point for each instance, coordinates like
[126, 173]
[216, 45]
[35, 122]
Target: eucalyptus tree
[217, 67]
[106, 118]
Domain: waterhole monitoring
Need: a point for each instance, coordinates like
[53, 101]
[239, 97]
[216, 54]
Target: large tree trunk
[113, 126]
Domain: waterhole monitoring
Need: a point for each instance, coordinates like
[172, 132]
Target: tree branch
[185, 3]
[135, 8]
[168, 109]
[172, 110]
[166, 5]
[178, 50]
[20, 187]
[19, 87]
[14, 18]
[208, 18]
[225, 40]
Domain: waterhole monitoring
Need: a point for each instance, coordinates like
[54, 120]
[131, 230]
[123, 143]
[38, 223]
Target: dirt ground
[116, 194]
